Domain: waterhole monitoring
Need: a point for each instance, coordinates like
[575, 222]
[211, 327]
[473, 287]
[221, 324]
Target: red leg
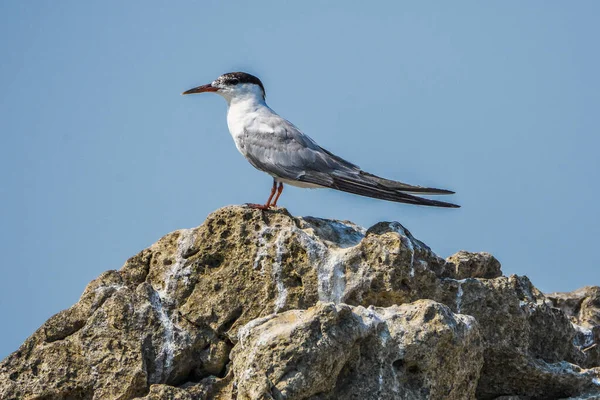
[268, 203]
[278, 194]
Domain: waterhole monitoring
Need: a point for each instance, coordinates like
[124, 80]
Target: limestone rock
[168, 323]
[419, 350]
[582, 306]
[474, 265]
[535, 343]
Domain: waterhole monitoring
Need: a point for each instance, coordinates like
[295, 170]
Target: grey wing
[281, 150]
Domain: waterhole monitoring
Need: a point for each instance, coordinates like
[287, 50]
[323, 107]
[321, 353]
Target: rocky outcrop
[263, 305]
[417, 350]
[474, 265]
[582, 306]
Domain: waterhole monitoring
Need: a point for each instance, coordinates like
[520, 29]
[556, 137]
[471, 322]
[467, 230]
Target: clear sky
[100, 156]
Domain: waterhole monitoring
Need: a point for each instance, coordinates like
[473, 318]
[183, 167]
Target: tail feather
[379, 193]
[368, 185]
[404, 187]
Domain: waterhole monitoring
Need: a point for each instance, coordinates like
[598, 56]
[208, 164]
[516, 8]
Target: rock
[343, 352]
[534, 342]
[582, 306]
[474, 265]
[256, 304]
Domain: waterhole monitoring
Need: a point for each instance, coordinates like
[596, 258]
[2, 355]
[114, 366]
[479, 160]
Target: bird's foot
[258, 206]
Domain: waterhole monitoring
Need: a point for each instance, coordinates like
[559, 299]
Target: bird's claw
[258, 206]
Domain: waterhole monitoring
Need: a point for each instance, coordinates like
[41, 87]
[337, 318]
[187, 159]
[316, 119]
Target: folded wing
[283, 151]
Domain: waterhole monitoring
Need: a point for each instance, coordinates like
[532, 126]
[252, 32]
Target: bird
[274, 145]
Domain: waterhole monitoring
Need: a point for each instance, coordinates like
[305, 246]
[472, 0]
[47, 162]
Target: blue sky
[100, 155]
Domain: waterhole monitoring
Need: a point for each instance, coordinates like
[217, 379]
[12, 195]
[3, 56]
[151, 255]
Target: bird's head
[233, 85]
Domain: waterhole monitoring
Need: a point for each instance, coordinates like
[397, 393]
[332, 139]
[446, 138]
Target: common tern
[274, 145]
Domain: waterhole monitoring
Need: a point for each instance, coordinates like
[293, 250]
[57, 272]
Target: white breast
[236, 122]
[246, 116]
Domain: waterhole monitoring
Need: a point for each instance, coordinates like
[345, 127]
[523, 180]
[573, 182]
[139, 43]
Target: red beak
[201, 89]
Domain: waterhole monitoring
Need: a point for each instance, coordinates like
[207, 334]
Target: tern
[274, 145]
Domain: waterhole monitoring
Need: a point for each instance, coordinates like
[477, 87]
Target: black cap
[233, 78]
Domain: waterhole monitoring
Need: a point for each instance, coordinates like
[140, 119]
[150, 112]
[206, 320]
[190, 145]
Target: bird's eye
[234, 81]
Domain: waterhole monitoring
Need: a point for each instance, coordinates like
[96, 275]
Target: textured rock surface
[582, 306]
[263, 305]
[417, 350]
[474, 265]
